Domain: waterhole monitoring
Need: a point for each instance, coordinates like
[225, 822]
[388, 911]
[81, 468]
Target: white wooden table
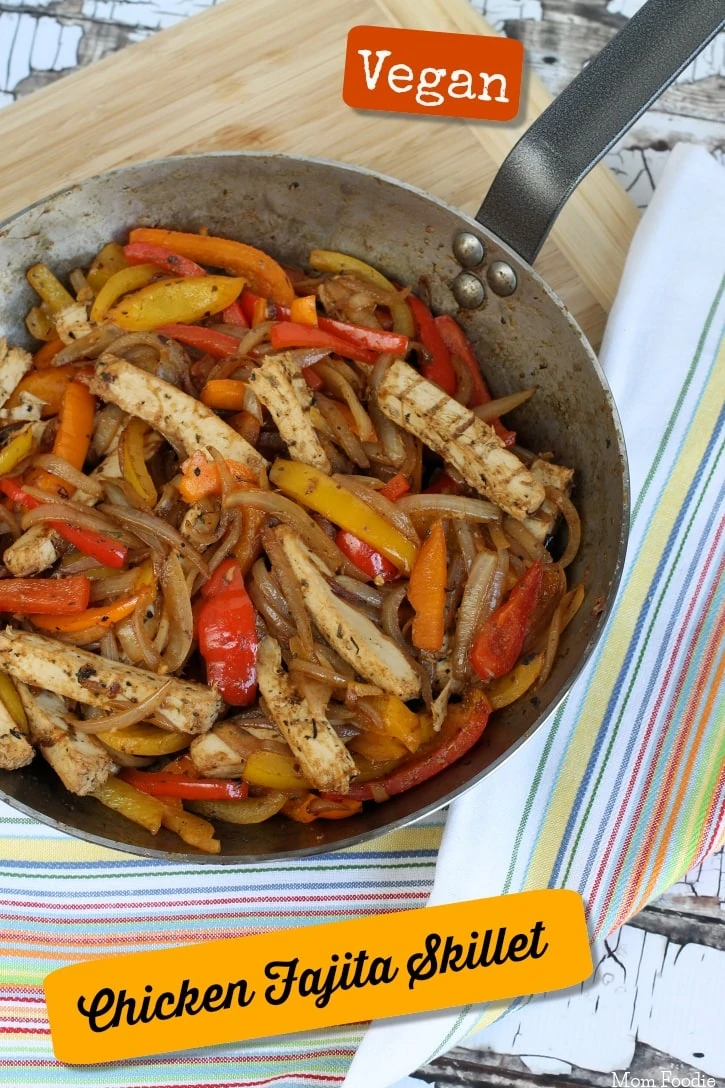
[655, 1007]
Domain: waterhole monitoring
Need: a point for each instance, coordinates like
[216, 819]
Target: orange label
[250, 987]
[441, 75]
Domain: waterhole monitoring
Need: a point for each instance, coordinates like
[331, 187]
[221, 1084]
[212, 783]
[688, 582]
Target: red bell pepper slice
[166, 784]
[363, 555]
[228, 637]
[288, 334]
[458, 344]
[499, 643]
[228, 576]
[108, 552]
[218, 344]
[275, 310]
[463, 727]
[234, 315]
[46, 596]
[148, 253]
[438, 368]
[377, 340]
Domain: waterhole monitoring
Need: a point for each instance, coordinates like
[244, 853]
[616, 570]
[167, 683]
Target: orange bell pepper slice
[304, 310]
[75, 429]
[48, 385]
[261, 272]
[103, 615]
[427, 591]
[200, 477]
[44, 356]
[310, 807]
[224, 394]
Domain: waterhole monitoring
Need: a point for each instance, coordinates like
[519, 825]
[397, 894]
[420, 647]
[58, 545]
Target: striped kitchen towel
[617, 797]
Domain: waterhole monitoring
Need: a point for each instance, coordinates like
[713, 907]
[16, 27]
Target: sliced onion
[177, 606]
[390, 511]
[341, 430]
[276, 624]
[123, 718]
[573, 524]
[468, 622]
[319, 672]
[499, 407]
[77, 480]
[290, 589]
[357, 592]
[254, 337]
[228, 542]
[269, 588]
[464, 381]
[109, 647]
[113, 585]
[453, 506]
[466, 542]
[9, 524]
[389, 434]
[160, 529]
[342, 388]
[527, 545]
[123, 759]
[290, 513]
[390, 619]
[143, 632]
[88, 347]
[552, 645]
[82, 518]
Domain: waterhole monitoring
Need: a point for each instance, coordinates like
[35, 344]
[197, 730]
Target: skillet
[479, 270]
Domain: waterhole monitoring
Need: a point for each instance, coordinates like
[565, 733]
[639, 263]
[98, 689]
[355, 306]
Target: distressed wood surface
[656, 999]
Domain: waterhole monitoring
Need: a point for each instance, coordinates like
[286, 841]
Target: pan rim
[243, 860]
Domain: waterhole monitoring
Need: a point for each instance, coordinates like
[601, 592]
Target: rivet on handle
[468, 291]
[468, 250]
[502, 279]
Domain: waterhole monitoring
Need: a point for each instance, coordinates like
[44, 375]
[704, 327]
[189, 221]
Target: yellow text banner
[225, 991]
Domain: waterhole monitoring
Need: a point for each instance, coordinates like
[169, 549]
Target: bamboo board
[267, 75]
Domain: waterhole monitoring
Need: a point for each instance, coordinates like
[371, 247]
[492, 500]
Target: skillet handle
[590, 115]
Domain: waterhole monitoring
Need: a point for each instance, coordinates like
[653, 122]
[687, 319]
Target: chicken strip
[72, 323]
[95, 680]
[463, 440]
[323, 758]
[183, 421]
[543, 522]
[356, 639]
[280, 386]
[214, 757]
[15, 750]
[81, 762]
[14, 365]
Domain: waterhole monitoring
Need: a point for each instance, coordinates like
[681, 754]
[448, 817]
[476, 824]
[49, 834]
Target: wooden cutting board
[267, 74]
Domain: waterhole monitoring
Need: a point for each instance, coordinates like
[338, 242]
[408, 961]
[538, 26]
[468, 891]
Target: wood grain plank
[279, 94]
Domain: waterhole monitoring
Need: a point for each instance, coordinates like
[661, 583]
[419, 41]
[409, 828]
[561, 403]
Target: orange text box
[317, 976]
[427, 72]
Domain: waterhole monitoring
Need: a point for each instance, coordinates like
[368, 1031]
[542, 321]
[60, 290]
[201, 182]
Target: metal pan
[479, 270]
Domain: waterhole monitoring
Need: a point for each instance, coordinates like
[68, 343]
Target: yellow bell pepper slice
[378, 747]
[13, 705]
[261, 272]
[121, 283]
[105, 264]
[184, 299]
[140, 807]
[50, 289]
[144, 739]
[507, 689]
[39, 324]
[275, 770]
[398, 720]
[133, 460]
[327, 260]
[191, 829]
[23, 443]
[312, 488]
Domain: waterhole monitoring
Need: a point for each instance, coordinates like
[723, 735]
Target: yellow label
[225, 991]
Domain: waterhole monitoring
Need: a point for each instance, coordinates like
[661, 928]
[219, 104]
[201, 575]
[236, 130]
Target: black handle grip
[590, 115]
